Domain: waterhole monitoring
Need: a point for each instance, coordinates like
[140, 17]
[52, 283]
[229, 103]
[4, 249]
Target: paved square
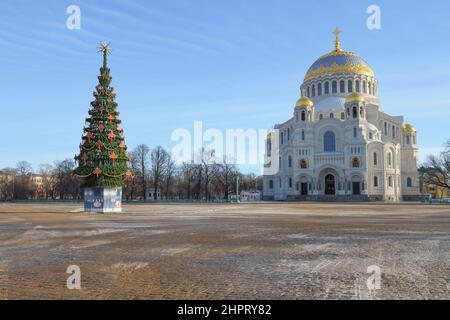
[248, 251]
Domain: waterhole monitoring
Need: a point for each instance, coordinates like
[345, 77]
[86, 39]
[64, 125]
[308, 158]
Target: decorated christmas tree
[103, 160]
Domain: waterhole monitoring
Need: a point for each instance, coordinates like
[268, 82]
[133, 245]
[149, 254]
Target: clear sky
[230, 64]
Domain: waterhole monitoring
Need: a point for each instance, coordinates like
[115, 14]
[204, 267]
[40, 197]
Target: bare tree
[437, 169]
[225, 175]
[47, 173]
[23, 186]
[188, 170]
[7, 182]
[140, 160]
[66, 186]
[132, 185]
[169, 172]
[209, 169]
[159, 161]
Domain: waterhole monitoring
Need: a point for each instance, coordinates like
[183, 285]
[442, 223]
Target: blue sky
[230, 64]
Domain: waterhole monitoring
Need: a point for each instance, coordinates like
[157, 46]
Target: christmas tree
[103, 160]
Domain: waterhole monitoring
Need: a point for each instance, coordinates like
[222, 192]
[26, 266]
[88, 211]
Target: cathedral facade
[339, 145]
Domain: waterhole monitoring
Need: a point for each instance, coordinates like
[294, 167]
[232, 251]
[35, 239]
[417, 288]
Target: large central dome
[338, 74]
[339, 62]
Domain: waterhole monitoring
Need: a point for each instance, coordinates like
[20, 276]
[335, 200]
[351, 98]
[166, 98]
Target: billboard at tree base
[103, 199]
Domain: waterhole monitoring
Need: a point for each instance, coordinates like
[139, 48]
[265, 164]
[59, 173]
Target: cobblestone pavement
[248, 251]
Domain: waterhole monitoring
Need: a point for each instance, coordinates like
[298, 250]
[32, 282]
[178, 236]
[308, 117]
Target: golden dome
[407, 127]
[354, 98]
[304, 102]
[339, 61]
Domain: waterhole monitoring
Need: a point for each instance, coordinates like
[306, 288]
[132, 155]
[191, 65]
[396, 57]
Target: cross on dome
[337, 43]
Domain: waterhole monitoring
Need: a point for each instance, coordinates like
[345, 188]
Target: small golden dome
[304, 102]
[269, 136]
[354, 98]
[407, 127]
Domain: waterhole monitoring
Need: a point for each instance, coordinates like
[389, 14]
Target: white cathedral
[339, 145]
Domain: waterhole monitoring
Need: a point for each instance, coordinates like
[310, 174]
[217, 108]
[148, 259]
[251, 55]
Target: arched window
[308, 93]
[327, 87]
[389, 158]
[290, 161]
[350, 86]
[303, 135]
[369, 84]
[357, 85]
[409, 182]
[390, 181]
[329, 142]
[303, 115]
[355, 132]
[303, 164]
[331, 115]
[290, 182]
[319, 89]
[334, 87]
[282, 137]
[271, 184]
[355, 162]
[355, 112]
[342, 86]
[342, 115]
[375, 181]
[313, 90]
[408, 139]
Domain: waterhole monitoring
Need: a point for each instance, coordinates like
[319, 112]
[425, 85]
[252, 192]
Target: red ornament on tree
[110, 118]
[89, 136]
[101, 127]
[99, 145]
[97, 172]
[102, 109]
[113, 157]
[111, 136]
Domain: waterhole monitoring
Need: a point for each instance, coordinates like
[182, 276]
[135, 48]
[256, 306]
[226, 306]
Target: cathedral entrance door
[330, 185]
[304, 189]
[356, 188]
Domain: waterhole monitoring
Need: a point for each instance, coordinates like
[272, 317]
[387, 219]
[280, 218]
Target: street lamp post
[237, 189]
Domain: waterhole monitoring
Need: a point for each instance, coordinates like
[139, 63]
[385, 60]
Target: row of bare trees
[49, 182]
[205, 179]
[155, 169]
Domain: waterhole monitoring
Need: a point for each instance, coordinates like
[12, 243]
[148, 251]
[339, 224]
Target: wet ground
[248, 251]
